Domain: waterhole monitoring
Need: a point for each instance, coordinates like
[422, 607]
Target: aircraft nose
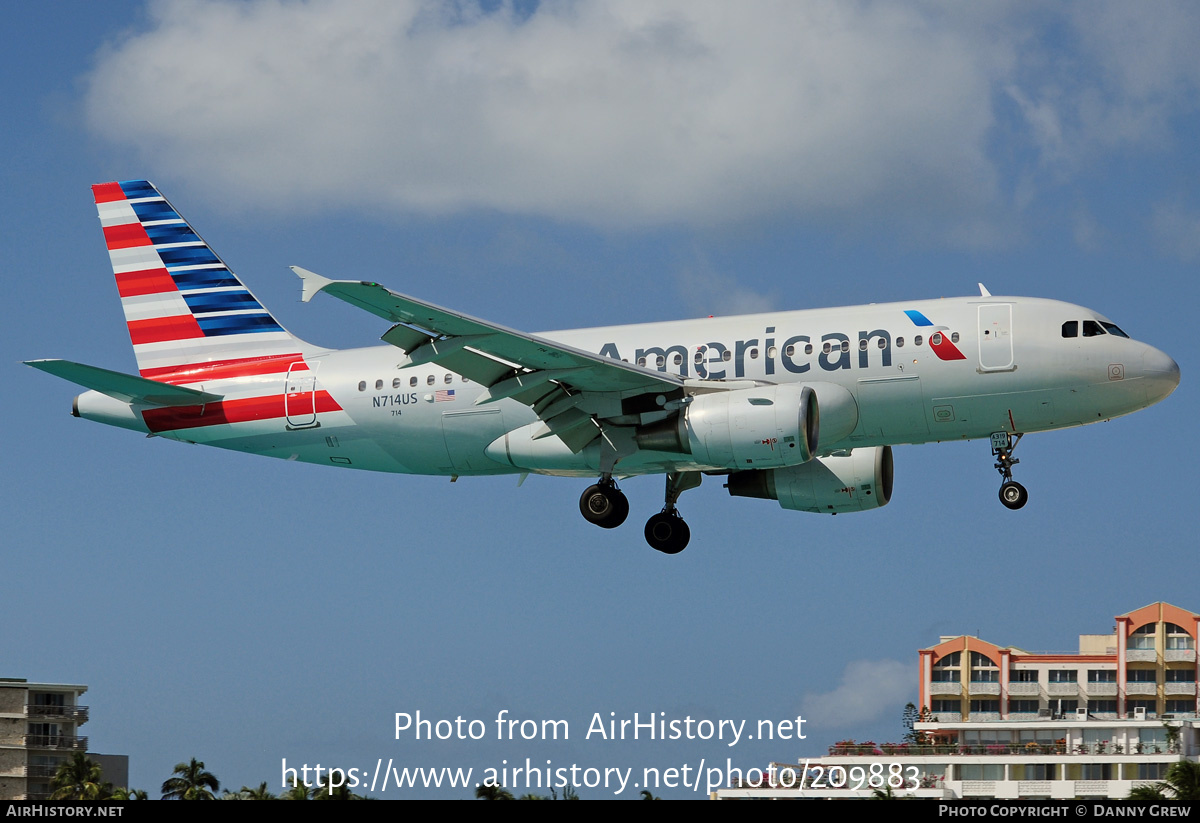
[1161, 374]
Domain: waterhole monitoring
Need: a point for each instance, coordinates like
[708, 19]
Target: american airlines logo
[833, 352]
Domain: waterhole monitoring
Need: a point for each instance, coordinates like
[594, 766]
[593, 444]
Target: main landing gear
[1012, 493]
[605, 505]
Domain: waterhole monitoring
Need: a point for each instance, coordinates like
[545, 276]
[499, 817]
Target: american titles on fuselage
[712, 361]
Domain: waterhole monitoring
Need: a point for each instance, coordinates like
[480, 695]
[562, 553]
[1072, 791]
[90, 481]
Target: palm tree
[490, 792]
[192, 783]
[261, 793]
[1182, 783]
[79, 779]
[1183, 780]
[124, 793]
[342, 792]
[298, 791]
[1147, 794]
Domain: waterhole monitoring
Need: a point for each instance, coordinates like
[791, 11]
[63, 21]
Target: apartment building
[1009, 723]
[39, 730]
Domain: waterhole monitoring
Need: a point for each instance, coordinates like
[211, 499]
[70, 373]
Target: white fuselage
[999, 365]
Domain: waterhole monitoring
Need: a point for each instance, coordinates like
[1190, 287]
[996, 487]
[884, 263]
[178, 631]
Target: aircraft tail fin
[183, 305]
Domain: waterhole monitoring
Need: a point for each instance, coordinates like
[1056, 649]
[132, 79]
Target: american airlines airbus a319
[801, 407]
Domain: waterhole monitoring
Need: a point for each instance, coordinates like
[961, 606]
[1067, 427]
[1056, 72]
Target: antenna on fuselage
[983, 292]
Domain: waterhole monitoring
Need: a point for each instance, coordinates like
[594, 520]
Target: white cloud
[707, 291]
[1177, 231]
[869, 690]
[622, 113]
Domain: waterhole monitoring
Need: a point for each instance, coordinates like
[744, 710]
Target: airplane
[800, 407]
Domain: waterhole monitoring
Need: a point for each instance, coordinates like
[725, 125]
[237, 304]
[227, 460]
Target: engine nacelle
[854, 482]
[763, 427]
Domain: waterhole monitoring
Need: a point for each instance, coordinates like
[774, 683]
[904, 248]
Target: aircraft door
[995, 337]
[300, 396]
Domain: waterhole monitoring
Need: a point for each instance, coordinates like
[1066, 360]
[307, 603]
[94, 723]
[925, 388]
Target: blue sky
[570, 165]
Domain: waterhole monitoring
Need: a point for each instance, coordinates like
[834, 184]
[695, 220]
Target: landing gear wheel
[667, 533]
[1013, 495]
[606, 506]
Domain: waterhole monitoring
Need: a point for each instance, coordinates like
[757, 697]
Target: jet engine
[852, 482]
[761, 427]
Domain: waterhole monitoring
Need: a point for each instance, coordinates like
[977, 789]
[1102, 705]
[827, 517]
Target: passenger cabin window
[1071, 328]
[726, 355]
[1092, 329]
[448, 379]
[917, 340]
[378, 385]
[396, 383]
[899, 342]
[430, 380]
[362, 385]
[699, 358]
[412, 381]
[935, 339]
[953, 337]
[678, 359]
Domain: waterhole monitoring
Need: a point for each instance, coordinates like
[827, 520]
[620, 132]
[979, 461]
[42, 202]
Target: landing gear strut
[1012, 493]
[604, 504]
[666, 531]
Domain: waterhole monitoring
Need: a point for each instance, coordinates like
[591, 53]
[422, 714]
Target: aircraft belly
[468, 433]
[892, 409]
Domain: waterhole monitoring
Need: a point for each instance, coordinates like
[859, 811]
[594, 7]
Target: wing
[569, 389]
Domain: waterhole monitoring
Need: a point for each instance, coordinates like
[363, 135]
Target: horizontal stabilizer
[124, 387]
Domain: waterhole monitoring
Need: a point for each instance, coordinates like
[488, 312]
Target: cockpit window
[1112, 329]
[1092, 329]
[1071, 328]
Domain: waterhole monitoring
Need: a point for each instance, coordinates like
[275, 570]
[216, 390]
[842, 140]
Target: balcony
[945, 688]
[1062, 689]
[1188, 689]
[979, 788]
[56, 741]
[1024, 689]
[1150, 689]
[1034, 788]
[1180, 655]
[43, 771]
[1141, 656]
[849, 748]
[79, 714]
[980, 687]
[1102, 689]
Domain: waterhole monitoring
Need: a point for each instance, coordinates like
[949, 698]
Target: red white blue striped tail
[182, 304]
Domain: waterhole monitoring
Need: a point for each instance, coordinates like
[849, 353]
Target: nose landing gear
[1012, 494]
